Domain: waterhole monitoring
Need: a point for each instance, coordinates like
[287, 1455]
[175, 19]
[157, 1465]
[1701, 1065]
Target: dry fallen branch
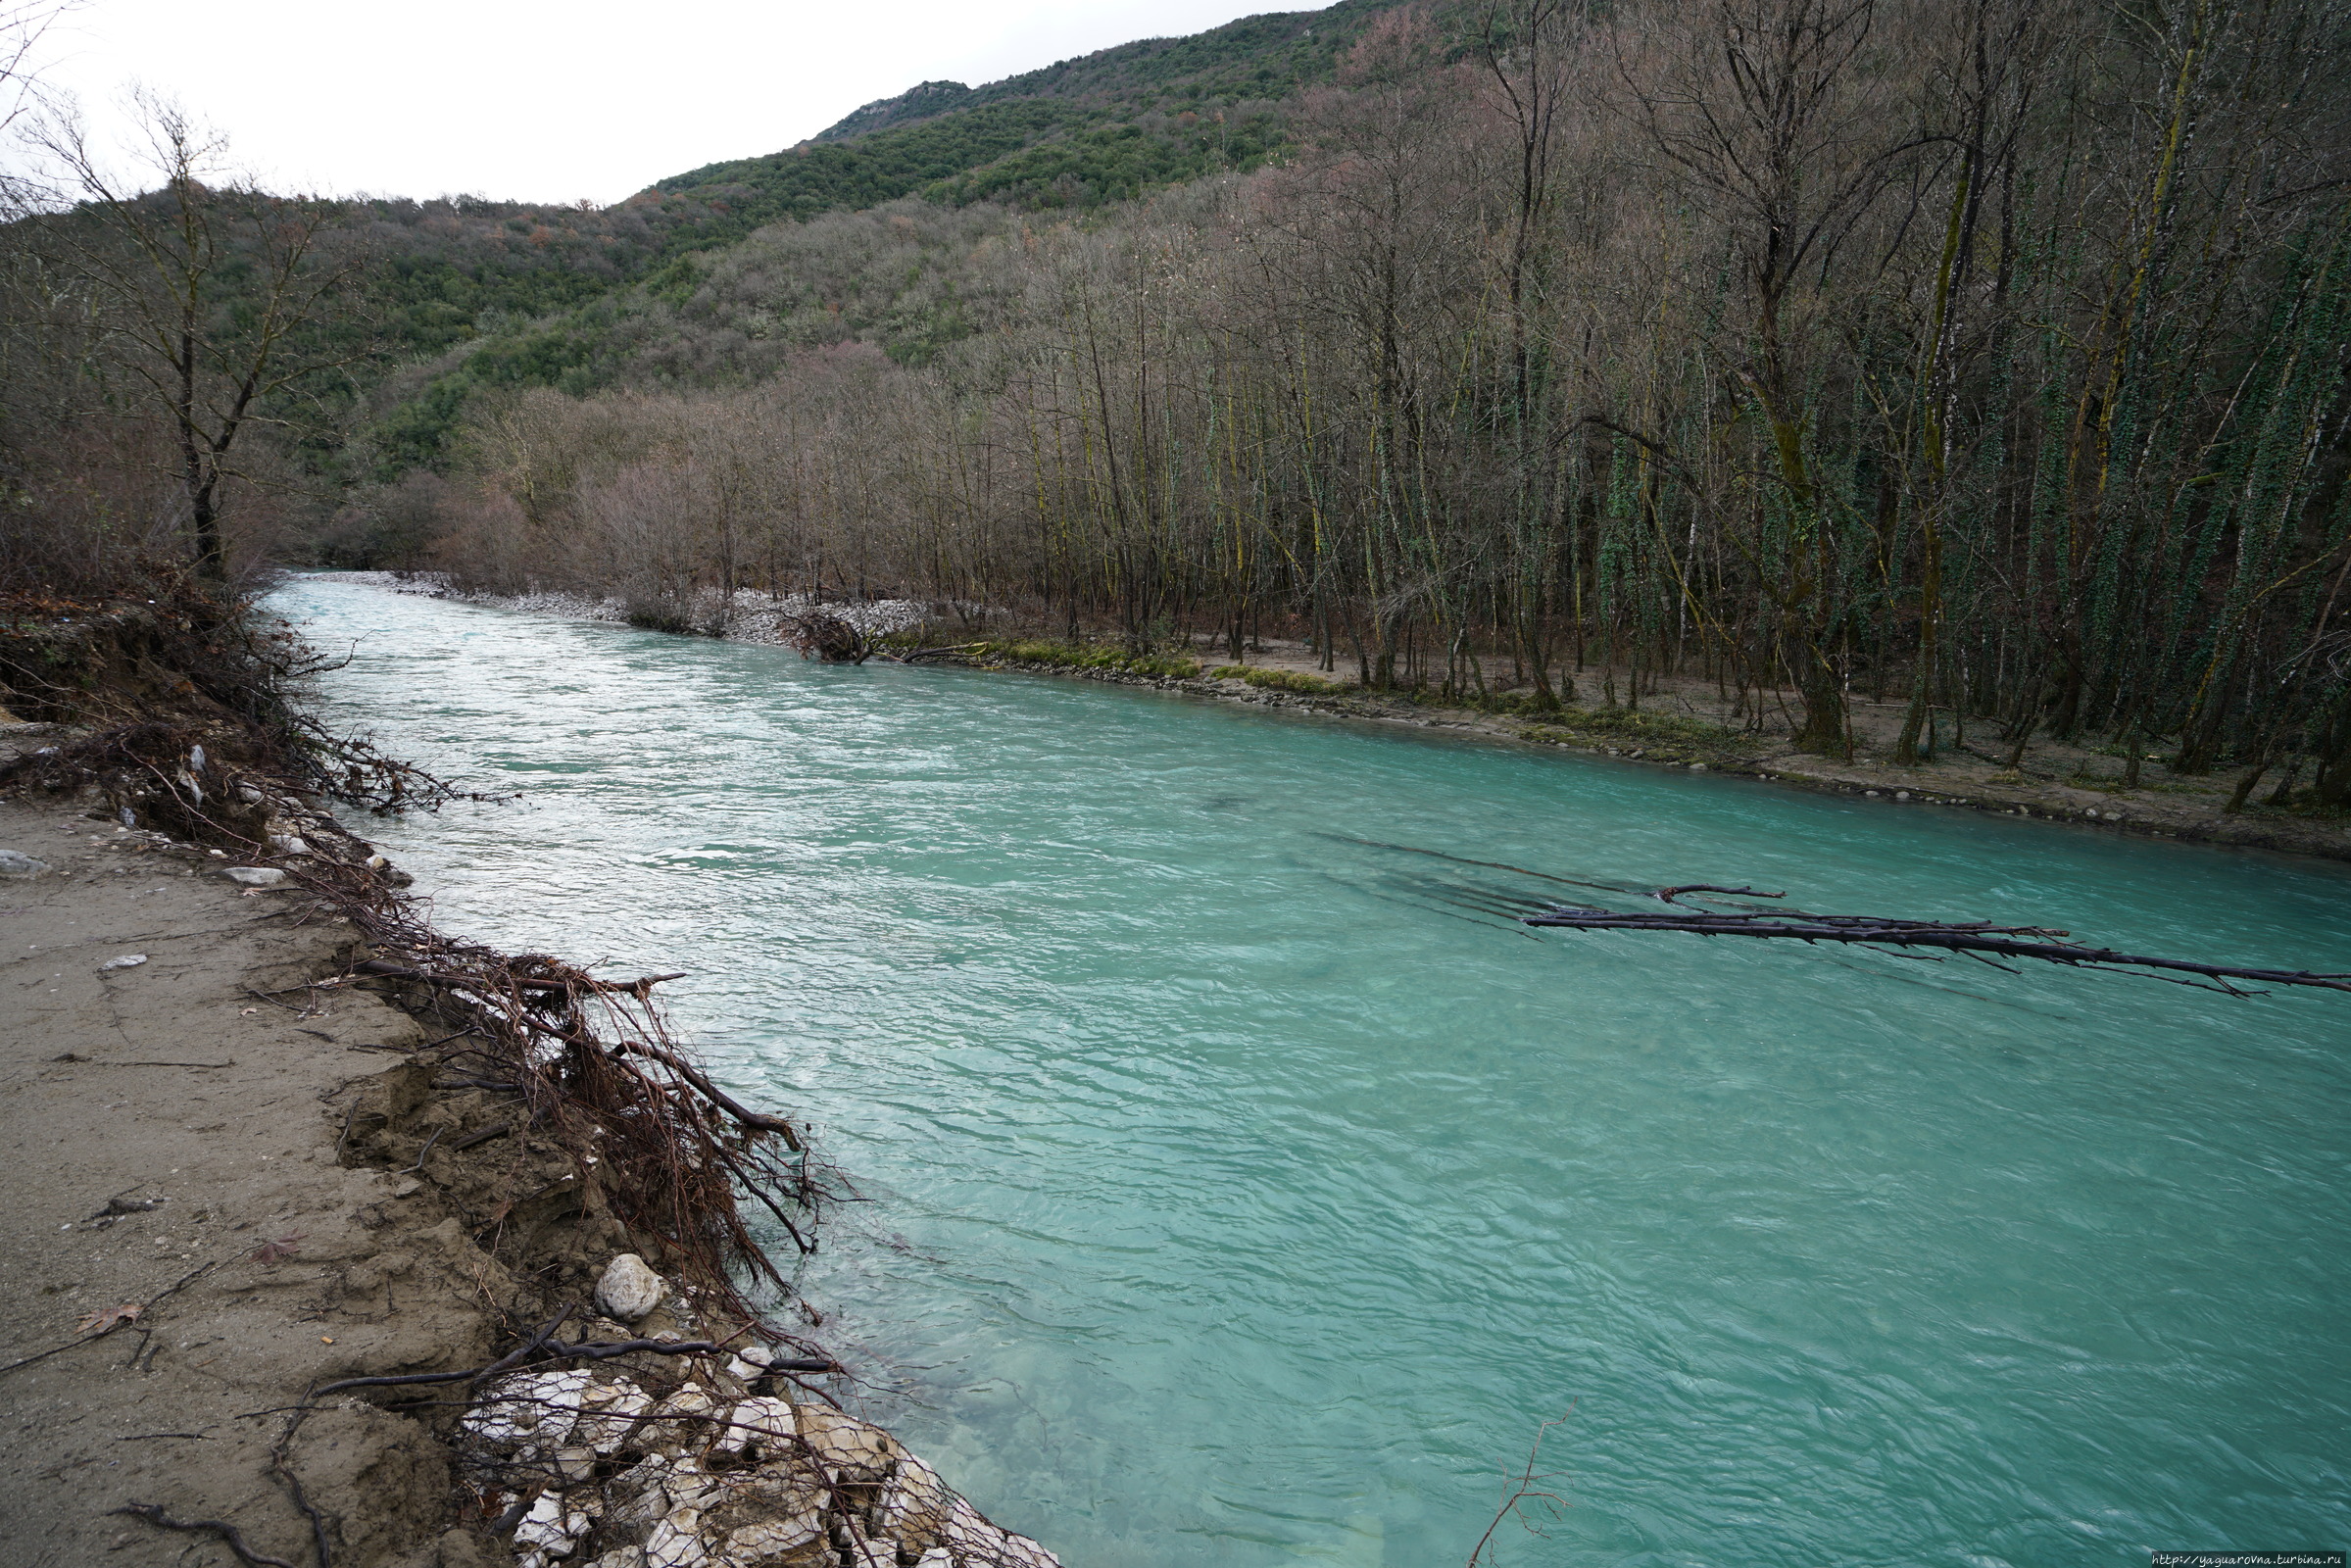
[1975, 938]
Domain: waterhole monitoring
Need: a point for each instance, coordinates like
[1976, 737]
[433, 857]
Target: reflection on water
[1247, 1193]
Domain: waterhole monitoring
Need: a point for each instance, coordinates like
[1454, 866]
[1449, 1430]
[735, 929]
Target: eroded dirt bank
[245, 1155]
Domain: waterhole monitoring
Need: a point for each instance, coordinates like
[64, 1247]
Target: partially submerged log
[1978, 939]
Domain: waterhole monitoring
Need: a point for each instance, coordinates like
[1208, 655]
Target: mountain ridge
[957, 143]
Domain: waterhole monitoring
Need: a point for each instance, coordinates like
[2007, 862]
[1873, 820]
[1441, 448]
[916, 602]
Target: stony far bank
[305, 1273]
[1658, 721]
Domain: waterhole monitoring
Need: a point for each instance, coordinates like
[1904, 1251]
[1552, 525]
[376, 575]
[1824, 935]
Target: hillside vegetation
[1992, 357]
[1077, 135]
[1100, 128]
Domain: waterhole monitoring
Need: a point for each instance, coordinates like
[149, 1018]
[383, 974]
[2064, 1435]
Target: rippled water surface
[1245, 1196]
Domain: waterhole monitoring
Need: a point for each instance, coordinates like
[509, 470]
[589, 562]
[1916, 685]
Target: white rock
[670, 1547]
[255, 876]
[971, 1539]
[629, 1288]
[756, 1355]
[612, 1409]
[772, 1539]
[533, 1412]
[763, 1420]
[128, 961]
[289, 844]
[16, 862]
[677, 1423]
[546, 1528]
[915, 1504]
[845, 1442]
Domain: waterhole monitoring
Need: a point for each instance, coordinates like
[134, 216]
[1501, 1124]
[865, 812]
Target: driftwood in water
[1978, 939]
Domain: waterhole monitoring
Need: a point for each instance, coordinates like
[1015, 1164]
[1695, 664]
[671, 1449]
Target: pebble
[16, 862]
[255, 876]
[629, 1288]
[128, 961]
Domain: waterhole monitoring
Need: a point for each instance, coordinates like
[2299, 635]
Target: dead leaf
[108, 1318]
[277, 1251]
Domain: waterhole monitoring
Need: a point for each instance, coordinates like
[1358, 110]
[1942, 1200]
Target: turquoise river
[1243, 1195]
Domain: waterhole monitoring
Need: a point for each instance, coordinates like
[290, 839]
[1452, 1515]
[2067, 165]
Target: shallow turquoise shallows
[1244, 1195]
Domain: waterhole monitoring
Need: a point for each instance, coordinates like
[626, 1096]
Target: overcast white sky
[556, 102]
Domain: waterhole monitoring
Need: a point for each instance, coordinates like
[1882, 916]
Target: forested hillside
[1103, 128]
[1988, 356]
[1079, 135]
[1991, 354]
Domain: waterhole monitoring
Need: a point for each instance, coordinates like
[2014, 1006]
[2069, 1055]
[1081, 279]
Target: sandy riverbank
[234, 1170]
[198, 1095]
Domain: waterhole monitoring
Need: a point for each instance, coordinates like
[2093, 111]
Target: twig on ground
[422, 1152]
[281, 1466]
[227, 1532]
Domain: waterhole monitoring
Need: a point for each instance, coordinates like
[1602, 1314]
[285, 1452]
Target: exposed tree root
[222, 1528]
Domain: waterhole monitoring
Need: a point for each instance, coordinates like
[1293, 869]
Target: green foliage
[1076, 135]
[1658, 737]
[801, 182]
[1116, 161]
[1256, 57]
[1280, 680]
[1089, 655]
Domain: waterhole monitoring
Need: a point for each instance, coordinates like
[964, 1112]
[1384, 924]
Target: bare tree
[22, 26]
[214, 294]
[1763, 110]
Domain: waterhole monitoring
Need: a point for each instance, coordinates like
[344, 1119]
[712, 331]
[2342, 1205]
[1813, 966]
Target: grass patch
[1658, 737]
[1280, 680]
[1089, 655]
